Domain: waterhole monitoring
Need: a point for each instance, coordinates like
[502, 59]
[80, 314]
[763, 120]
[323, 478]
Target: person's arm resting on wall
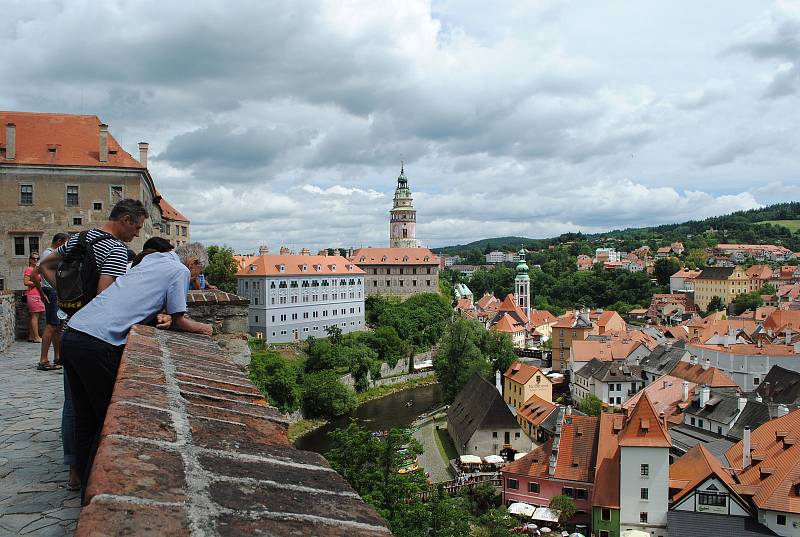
[176, 307]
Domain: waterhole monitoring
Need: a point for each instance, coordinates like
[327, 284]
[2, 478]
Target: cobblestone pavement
[431, 458]
[34, 500]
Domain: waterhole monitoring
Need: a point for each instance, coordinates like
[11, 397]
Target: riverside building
[293, 297]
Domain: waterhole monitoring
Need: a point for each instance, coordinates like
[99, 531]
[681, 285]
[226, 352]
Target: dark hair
[131, 255]
[142, 255]
[159, 244]
[58, 237]
[132, 208]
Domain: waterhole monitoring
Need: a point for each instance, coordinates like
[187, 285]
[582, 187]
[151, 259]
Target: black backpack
[77, 275]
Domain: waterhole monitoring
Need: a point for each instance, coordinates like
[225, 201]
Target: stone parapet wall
[23, 317]
[8, 319]
[228, 314]
[190, 447]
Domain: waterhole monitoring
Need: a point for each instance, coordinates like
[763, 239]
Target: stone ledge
[209, 297]
[190, 447]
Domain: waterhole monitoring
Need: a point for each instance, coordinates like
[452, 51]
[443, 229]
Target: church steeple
[402, 217]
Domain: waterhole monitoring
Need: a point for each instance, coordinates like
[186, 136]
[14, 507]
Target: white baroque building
[296, 296]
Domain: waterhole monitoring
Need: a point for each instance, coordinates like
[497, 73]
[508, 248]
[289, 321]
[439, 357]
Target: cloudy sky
[285, 122]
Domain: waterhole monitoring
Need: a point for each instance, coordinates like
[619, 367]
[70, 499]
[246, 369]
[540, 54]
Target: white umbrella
[577, 535]
[546, 514]
[518, 456]
[519, 508]
[470, 459]
[634, 533]
[493, 459]
[545, 530]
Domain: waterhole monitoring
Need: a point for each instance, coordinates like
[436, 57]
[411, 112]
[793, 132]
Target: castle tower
[403, 217]
[522, 285]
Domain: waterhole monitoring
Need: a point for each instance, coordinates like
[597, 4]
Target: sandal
[47, 366]
[73, 488]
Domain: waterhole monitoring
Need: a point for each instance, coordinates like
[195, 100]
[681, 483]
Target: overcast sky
[285, 122]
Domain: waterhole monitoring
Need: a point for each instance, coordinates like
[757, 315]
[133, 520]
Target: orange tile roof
[605, 351]
[770, 450]
[666, 395]
[534, 464]
[508, 325]
[759, 272]
[169, 212]
[780, 319]
[269, 265]
[724, 326]
[540, 317]
[772, 349]
[464, 304]
[713, 377]
[76, 139]
[606, 475]
[608, 316]
[394, 256]
[485, 300]
[643, 428]
[521, 373]
[578, 449]
[686, 273]
[693, 468]
[510, 305]
[536, 410]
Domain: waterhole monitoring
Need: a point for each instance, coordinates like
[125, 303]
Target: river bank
[302, 427]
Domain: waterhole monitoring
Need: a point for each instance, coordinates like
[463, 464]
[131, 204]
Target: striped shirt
[111, 254]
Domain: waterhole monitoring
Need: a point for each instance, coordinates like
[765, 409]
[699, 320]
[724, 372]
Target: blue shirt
[158, 282]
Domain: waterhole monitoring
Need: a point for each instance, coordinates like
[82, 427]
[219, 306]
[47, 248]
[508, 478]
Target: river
[378, 415]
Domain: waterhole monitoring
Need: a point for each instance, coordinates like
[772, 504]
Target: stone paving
[34, 500]
[431, 458]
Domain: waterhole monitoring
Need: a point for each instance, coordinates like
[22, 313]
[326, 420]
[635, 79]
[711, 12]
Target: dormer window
[426, 258]
[252, 268]
[318, 267]
[796, 489]
[363, 259]
[333, 268]
[383, 258]
[405, 258]
[281, 268]
[304, 268]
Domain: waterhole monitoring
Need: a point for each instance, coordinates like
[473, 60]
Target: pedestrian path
[431, 459]
[34, 500]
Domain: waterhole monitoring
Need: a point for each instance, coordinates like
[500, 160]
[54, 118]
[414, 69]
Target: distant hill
[756, 226]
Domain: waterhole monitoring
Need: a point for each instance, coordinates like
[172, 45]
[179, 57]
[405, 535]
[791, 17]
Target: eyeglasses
[34, 259]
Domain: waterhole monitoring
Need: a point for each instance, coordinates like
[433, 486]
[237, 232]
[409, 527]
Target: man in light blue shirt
[92, 346]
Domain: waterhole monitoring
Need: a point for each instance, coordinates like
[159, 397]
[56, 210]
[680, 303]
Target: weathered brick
[132, 420]
[209, 409]
[100, 519]
[136, 391]
[237, 438]
[128, 468]
[214, 392]
[229, 526]
[244, 496]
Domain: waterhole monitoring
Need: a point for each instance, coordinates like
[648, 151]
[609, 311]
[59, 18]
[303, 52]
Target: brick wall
[7, 319]
[190, 447]
[228, 313]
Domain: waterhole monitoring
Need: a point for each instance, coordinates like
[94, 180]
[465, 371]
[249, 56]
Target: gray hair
[134, 209]
[192, 250]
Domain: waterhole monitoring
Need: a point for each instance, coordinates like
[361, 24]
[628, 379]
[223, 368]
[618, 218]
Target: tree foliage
[565, 507]
[459, 356]
[277, 378]
[591, 405]
[324, 396]
[747, 301]
[221, 268]
[716, 304]
[419, 320]
[664, 268]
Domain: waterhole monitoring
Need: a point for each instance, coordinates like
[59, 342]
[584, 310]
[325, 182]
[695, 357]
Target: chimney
[143, 147]
[103, 143]
[705, 395]
[782, 410]
[746, 448]
[741, 403]
[11, 141]
[706, 363]
[263, 250]
[685, 390]
[498, 382]
[285, 251]
[758, 398]
[788, 337]
[693, 359]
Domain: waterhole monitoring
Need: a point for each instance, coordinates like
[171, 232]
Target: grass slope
[792, 225]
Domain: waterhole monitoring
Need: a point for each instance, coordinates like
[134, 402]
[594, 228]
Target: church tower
[403, 217]
[522, 284]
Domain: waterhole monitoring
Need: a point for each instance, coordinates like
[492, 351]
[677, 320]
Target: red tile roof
[693, 468]
[521, 373]
[170, 212]
[780, 319]
[606, 475]
[643, 428]
[394, 256]
[509, 305]
[508, 325]
[713, 377]
[578, 449]
[76, 139]
[759, 272]
[774, 446]
[666, 395]
[536, 410]
[270, 265]
[605, 351]
[540, 317]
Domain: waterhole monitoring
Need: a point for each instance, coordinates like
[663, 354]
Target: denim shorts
[51, 307]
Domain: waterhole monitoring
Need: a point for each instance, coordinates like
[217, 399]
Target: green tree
[334, 334]
[565, 507]
[447, 515]
[498, 348]
[496, 523]
[664, 268]
[747, 301]
[696, 258]
[481, 498]
[716, 304]
[222, 267]
[325, 396]
[767, 289]
[590, 405]
[277, 379]
[459, 356]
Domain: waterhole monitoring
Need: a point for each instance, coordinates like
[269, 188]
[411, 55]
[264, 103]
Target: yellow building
[522, 381]
[724, 282]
